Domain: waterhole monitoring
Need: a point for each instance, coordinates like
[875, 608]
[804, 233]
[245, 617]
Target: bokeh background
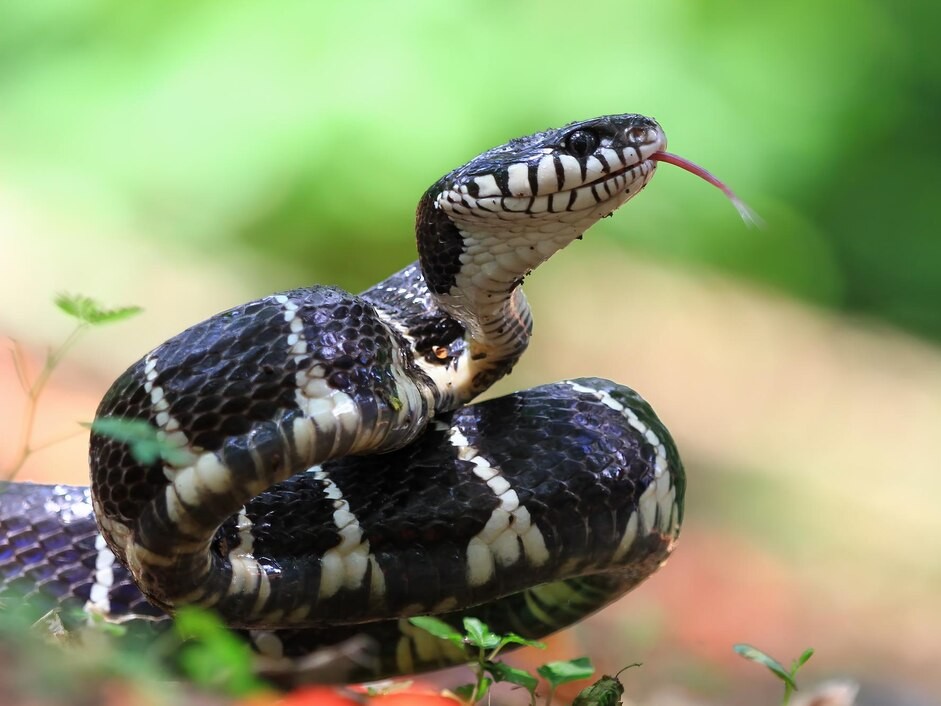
[186, 157]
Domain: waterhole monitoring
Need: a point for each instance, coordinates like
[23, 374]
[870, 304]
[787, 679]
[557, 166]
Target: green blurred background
[189, 156]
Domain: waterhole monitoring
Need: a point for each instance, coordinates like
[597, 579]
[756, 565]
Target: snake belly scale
[330, 478]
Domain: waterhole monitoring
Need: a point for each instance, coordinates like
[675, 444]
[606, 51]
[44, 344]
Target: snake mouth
[622, 165]
[615, 186]
[633, 151]
[587, 191]
[638, 166]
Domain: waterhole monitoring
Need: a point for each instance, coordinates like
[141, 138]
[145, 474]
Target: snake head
[564, 170]
[484, 226]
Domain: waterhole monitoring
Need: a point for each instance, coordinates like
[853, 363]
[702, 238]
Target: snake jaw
[555, 161]
[526, 200]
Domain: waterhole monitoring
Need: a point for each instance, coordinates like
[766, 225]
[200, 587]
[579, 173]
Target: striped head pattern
[486, 225]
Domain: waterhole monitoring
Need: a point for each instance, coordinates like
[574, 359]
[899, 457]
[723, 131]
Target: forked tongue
[750, 217]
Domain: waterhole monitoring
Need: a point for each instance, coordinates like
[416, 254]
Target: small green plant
[788, 676]
[88, 313]
[488, 645]
[142, 438]
[45, 660]
[607, 691]
[212, 656]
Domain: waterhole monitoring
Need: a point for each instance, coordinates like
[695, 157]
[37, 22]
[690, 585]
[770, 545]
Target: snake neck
[484, 227]
[498, 334]
[458, 366]
[475, 272]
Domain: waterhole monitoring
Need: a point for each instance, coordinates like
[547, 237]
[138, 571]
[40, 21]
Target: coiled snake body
[329, 479]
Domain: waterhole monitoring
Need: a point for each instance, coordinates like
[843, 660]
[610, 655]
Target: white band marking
[509, 528]
[657, 507]
[98, 598]
[345, 565]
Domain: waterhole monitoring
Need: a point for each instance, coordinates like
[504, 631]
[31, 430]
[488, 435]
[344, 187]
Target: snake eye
[580, 143]
[637, 134]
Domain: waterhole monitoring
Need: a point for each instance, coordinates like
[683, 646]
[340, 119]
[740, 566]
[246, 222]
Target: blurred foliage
[305, 132]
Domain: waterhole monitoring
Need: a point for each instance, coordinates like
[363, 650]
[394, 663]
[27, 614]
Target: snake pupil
[580, 143]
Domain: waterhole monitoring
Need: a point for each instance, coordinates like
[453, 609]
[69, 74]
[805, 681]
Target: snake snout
[647, 134]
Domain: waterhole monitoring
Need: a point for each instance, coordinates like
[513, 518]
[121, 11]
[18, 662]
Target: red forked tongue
[749, 216]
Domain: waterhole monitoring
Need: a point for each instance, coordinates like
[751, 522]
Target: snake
[325, 473]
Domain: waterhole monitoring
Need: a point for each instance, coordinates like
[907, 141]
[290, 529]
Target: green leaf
[102, 624]
[438, 628]
[141, 437]
[199, 624]
[513, 638]
[756, 655]
[562, 672]
[465, 692]
[88, 311]
[520, 677]
[607, 691]
[805, 655]
[215, 657]
[479, 635]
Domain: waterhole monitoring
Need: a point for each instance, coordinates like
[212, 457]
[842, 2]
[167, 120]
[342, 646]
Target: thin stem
[19, 365]
[33, 391]
[788, 689]
[549, 696]
[481, 674]
[56, 356]
[496, 650]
